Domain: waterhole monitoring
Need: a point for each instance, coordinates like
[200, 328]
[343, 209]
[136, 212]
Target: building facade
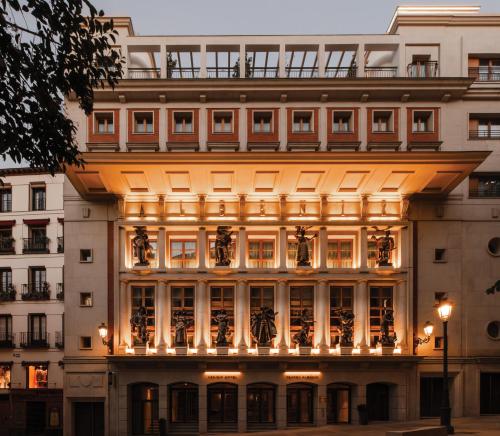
[31, 302]
[242, 139]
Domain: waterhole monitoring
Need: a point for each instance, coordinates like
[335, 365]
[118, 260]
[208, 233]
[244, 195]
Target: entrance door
[377, 401]
[88, 418]
[339, 404]
[260, 406]
[299, 404]
[222, 407]
[35, 418]
[431, 389]
[490, 393]
[184, 407]
[4, 415]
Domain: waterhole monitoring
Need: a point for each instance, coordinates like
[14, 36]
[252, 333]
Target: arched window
[144, 405]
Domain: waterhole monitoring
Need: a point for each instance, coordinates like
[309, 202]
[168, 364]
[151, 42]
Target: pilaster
[161, 248]
[323, 249]
[242, 316]
[202, 243]
[282, 250]
[242, 241]
[125, 305]
[162, 317]
[283, 316]
[361, 319]
[202, 321]
[363, 250]
[320, 317]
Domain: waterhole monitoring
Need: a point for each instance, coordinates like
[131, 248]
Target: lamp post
[444, 311]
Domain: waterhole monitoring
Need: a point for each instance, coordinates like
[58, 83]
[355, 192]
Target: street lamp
[103, 333]
[428, 329]
[444, 310]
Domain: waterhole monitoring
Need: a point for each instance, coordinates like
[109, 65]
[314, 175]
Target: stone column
[363, 250]
[323, 249]
[125, 305]
[401, 316]
[242, 241]
[321, 316]
[282, 250]
[202, 244]
[122, 236]
[360, 60]
[404, 248]
[161, 318]
[283, 316]
[321, 402]
[321, 60]
[161, 248]
[241, 321]
[282, 61]
[202, 320]
[361, 316]
[242, 61]
[203, 61]
[163, 61]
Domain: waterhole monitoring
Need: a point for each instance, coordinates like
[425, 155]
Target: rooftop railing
[423, 70]
[381, 72]
[302, 72]
[485, 74]
[264, 73]
[490, 192]
[341, 72]
[183, 73]
[143, 73]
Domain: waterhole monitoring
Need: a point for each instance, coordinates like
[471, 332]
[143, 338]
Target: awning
[37, 222]
[7, 223]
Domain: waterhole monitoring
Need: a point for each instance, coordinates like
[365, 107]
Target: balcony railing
[183, 73]
[264, 73]
[143, 73]
[7, 246]
[423, 69]
[303, 73]
[36, 245]
[341, 72]
[59, 342]
[222, 73]
[485, 74]
[491, 192]
[381, 72]
[60, 291]
[484, 134]
[60, 244]
[7, 292]
[34, 340]
[6, 340]
[35, 291]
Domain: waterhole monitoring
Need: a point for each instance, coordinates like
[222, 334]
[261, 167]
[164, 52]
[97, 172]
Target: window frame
[229, 309]
[135, 124]
[271, 122]
[374, 329]
[350, 123]
[390, 122]
[6, 191]
[430, 120]
[339, 241]
[334, 320]
[214, 124]
[311, 121]
[81, 340]
[87, 260]
[190, 332]
[174, 123]
[91, 299]
[34, 188]
[96, 123]
[150, 310]
[294, 328]
[183, 261]
[36, 366]
[260, 261]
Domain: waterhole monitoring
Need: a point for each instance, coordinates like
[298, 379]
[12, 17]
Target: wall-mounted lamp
[103, 333]
[428, 329]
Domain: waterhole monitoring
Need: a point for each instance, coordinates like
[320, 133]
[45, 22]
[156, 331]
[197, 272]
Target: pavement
[483, 426]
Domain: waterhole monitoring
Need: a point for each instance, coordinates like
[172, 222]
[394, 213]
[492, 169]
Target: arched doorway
[300, 404]
[144, 407]
[222, 407]
[183, 408]
[261, 400]
[339, 403]
[377, 401]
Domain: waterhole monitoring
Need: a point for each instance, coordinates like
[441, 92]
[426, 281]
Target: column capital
[163, 281]
[322, 228]
[242, 228]
[323, 280]
[242, 281]
[202, 228]
[282, 281]
[125, 281]
[203, 281]
[362, 281]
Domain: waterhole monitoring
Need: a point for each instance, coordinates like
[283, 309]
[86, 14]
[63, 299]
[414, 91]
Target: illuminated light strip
[222, 373]
[221, 218]
[383, 218]
[181, 218]
[274, 351]
[262, 218]
[302, 373]
[303, 218]
[233, 351]
[343, 218]
[252, 351]
[129, 350]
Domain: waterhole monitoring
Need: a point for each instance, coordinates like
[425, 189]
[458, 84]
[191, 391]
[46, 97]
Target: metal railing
[484, 133]
[302, 73]
[36, 245]
[60, 291]
[7, 292]
[6, 340]
[34, 340]
[423, 69]
[59, 340]
[143, 73]
[183, 73]
[7, 245]
[491, 192]
[381, 72]
[222, 73]
[485, 74]
[60, 244]
[264, 73]
[341, 72]
[35, 291]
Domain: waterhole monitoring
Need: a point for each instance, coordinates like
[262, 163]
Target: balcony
[60, 291]
[183, 73]
[60, 244]
[484, 134]
[143, 73]
[37, 291]
[341, 72]
[6, 340]
[263, 73]
[485, 74]
[59, 343]
[423, 70]
[7, 246]
[34, 340]
[381, 72]
[7, 292]
[302, 72]
[35, 245]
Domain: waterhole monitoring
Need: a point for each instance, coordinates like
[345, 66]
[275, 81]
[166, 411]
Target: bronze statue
[262, 326]
[182, 323]
[385, 245]
[221, 318]
[385, 324]
[303, 258]
[346, 327]
[142, 247]
[139, 323]
[302, 337]
[222, 243]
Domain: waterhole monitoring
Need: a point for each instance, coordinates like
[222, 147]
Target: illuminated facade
[345, 135]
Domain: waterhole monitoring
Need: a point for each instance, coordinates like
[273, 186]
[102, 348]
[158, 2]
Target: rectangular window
[221, 298]
[4, 377]
[38, 198]
[183, 301]
[223, 122]
[5, 279]
[423, 121]
[85, 342]
[183, 122]
[302, 121]
[183, 254]
[382, 121]
[378, 295]
[261, 296]
[5, 330]
[211, 251]
[439, 255]
[37, 329]
[484, 185]
[340, 253]
[6, 200]
[260, 253]
[342, 122]
[144, 296]
[6, 240]
[341, 297]
[37, 376]
[38, 278]
[104, 123]
[301, 301]
[86, 299]
[438, 342]
[486, 126]
[86, 255]
[372, 254]
[262, 122]
[143, 122]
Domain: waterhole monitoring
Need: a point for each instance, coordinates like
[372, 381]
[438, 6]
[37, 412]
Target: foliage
[67, 49]
[494, 288]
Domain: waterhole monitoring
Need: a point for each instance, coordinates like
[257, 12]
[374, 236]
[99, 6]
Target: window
[211, 250]
[37, 329]
[183, 254]
[302, 122]
[4, 377]
[5, 331]
[86, 299]
[143, 122]
[221, 298]
[104, 123]
[301, 299]
[5, 279]
[6, 240]
[260, 253]
[341, 297]
[38, 198]
[145, 297]
[38, 278]
[486, 126]
[223, 122]
[378, 296]
[262, 122]
[342, 122]
[373, 254]
[86, 255]
[439, 255]
[261, 296]
[37, 376]
[438, 342]
[183, 122]
[183, 300]
[85, 342]
[493, 330]
[484, 185]
[494, 246]
[340, 253]
[382, 121]
[145, 409]
[423, 121]
[6, 200]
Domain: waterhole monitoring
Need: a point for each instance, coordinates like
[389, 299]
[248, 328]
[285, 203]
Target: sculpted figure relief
[346, 329]
[302, 337]
[385, 245]
[182, 323]
[263, 327]
[142, 247]
[138, 323]
[222, 243]
[303, 258]
[385, 325]
[221, 318]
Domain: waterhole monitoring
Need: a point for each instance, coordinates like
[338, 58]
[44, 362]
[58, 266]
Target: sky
[243, 17]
